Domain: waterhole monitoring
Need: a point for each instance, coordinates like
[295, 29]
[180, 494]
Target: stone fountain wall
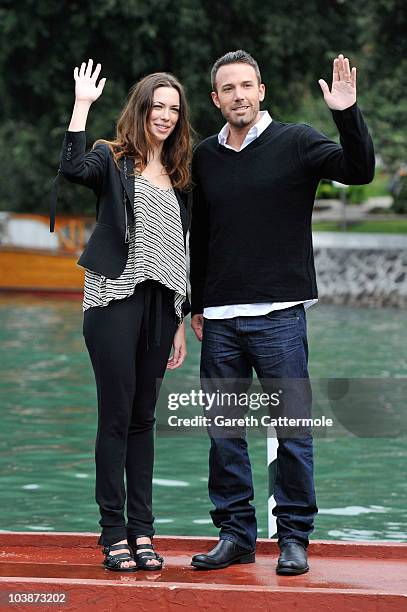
[361, 269]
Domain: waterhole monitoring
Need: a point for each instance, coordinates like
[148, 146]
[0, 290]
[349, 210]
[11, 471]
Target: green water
[48, 418]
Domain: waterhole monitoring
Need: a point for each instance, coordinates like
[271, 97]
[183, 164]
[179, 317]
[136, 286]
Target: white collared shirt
[248, 310]
[254, 132]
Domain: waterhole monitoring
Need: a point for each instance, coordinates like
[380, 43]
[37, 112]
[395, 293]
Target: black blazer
[107, 249]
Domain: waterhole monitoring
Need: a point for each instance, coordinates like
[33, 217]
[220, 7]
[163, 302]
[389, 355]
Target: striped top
[156, 250]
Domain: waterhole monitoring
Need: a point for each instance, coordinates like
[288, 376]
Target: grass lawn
[393, 226]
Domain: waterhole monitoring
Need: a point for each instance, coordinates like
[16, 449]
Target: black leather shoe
[292, 559]
[225, 553]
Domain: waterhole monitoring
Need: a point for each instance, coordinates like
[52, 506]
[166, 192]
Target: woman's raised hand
[85, 82]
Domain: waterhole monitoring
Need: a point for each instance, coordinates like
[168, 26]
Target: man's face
[238, 94]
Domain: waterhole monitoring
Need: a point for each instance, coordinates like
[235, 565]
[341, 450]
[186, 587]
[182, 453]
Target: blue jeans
[275, 346]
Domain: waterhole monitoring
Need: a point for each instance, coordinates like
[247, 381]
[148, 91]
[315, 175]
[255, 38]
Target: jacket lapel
[126, 168]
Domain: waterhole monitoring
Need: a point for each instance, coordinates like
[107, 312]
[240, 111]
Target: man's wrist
[344, 110]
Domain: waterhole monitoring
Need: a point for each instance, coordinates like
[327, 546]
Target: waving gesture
[85, 82]
[343, 90]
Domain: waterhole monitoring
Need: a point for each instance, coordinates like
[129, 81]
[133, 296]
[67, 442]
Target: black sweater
[250, 237]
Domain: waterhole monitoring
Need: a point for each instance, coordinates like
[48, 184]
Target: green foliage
[327, 191]
[384, 43]
[356, 194]
[41, 41]
[380, 186]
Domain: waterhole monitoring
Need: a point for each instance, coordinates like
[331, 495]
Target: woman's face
[164, 113]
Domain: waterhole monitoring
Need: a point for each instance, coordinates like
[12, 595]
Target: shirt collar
[254, 131]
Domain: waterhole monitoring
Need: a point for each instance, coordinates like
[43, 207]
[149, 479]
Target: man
[253, 276]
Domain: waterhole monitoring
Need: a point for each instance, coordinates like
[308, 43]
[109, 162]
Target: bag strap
[54, 198]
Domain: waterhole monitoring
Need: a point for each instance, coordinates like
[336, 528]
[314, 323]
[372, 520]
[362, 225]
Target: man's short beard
[240, 123]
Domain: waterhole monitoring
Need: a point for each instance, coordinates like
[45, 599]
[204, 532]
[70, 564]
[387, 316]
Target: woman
[135, 291]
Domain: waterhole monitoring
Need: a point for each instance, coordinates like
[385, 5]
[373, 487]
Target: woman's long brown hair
[133, 137]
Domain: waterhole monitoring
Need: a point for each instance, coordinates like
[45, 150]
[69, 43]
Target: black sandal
[142, 559]
[113, 562]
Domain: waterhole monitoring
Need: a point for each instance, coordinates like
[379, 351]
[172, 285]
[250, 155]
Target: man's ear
[262, 91]
[215, 99]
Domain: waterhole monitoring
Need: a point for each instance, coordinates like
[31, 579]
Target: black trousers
[122, 342]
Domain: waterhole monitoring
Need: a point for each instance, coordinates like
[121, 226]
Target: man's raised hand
[85, 82]
[343, 90]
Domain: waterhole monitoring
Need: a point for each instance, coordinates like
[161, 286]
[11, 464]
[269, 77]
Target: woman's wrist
[79, 115]
[82, 103]
[181, 326]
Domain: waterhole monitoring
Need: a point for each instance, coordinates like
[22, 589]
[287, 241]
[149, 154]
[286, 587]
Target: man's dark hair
[234, 57]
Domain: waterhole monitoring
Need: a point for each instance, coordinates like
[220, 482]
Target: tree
[41, 42]
[383, 39]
